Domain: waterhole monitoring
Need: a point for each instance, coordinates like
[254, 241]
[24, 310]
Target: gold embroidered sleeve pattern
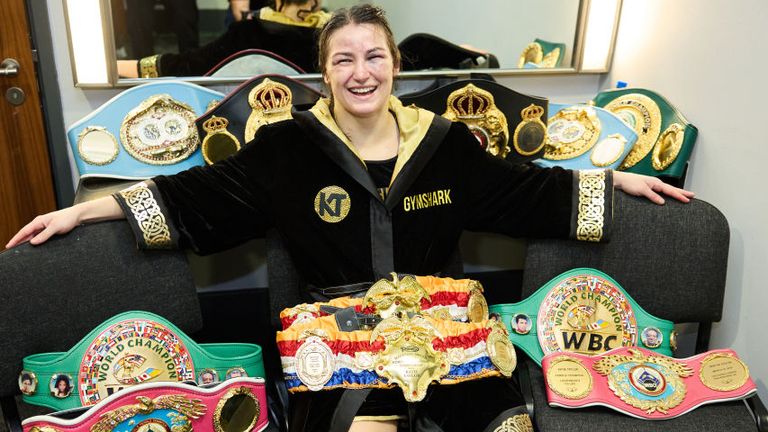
[591, 205]
[148, 216]
[148, 67]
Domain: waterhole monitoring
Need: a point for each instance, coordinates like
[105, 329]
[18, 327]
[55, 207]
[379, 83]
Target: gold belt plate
[409, 360]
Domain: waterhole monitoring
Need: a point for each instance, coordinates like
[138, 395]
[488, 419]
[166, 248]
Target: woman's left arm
[649, 187]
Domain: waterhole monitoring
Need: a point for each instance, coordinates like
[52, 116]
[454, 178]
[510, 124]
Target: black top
[381, 174]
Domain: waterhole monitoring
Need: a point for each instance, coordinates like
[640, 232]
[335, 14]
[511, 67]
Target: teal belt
[128, 349]
[585, 311]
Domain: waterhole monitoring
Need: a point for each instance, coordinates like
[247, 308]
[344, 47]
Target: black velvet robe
[443, 184]
[292, 42]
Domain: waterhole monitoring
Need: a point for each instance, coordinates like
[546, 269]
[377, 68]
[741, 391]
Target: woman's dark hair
[357, 14]
[65, 380]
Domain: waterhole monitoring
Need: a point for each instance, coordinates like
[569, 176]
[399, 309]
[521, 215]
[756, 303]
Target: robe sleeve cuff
[149, 67]
[147, 215]
[592, 209]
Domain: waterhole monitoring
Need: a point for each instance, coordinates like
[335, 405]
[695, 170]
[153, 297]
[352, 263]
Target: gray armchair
[672, 260]
[54, 294]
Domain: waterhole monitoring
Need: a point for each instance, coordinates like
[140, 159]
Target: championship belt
[128, 349]
[644, 384]
[541, 54]
[260, 101]
[665, 138]
[408, 351]
[585, 137]
[507, 124]
[442, 298]
[237, 405]
[584, 311]
[144, 131]
[253, 62]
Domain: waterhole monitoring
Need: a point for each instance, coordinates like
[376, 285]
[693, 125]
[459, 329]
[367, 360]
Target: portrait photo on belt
[332, 182]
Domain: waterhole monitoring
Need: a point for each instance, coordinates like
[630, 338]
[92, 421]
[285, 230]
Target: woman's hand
[649, 187]
[44, 226]
[63, 221]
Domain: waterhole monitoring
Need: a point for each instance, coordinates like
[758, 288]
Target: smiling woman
[357, 187]
[359, 65]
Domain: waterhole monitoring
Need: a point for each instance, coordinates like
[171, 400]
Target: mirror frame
[588, 19]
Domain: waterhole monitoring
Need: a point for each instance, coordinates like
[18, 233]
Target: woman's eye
[343, 61]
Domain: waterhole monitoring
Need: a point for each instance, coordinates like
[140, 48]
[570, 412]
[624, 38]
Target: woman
[63, 388]
[357, 187]
[287, 29]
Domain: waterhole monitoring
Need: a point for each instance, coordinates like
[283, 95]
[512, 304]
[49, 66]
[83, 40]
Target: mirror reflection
[434, 35]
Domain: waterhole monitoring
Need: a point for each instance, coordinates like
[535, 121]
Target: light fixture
[599, 34]
[89, 25]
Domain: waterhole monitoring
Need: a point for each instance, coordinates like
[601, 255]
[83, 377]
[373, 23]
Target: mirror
[503, 28]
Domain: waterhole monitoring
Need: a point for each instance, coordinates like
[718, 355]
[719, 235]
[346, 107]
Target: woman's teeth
[362, 90]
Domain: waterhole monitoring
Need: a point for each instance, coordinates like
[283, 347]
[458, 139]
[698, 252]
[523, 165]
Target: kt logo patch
[332, 204]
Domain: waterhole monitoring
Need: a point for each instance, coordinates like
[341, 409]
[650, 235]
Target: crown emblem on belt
[477, 109]
[214, 124]
[470, 102]
[271, 97]
[532, 112]
[271, 102]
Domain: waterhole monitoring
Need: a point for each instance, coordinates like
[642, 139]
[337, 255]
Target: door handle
[9, 67]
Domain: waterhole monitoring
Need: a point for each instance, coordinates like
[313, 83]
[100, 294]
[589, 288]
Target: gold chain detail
[148, 215]
[591, 205]
[518, 423]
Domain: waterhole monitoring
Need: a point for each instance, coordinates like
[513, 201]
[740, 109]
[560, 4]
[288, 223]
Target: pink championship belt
[235, 405]
[644, 384]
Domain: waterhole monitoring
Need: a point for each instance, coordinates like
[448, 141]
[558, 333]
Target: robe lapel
[337, 150]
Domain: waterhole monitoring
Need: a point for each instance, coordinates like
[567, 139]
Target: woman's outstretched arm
[63, 221]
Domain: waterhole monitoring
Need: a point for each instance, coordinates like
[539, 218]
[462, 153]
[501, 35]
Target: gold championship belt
[442, 298]
[398, 346]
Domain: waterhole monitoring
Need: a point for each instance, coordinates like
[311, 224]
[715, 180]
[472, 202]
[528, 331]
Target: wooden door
[26, 185]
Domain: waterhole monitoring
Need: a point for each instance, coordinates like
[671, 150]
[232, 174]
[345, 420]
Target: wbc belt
[408, 351]
[237, 405]
[443, 298]
[644, 384]
[129, 349]
[583, 310]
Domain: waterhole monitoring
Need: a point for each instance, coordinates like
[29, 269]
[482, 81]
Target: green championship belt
[542, 54]
[665, 138]
[584, 311]
[128, 349]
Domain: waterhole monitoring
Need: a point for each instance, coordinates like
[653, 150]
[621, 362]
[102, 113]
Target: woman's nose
[361, 71]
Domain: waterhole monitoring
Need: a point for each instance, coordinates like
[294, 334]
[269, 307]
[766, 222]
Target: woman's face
[359, 70]
[62, 386]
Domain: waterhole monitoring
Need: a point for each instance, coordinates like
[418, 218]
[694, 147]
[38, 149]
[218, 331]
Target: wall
[710, 62]
[514, 24]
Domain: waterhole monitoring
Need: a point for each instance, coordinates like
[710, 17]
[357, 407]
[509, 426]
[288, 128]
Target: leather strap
[344, 414]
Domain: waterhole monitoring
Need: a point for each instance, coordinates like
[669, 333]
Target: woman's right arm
[63, 221]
